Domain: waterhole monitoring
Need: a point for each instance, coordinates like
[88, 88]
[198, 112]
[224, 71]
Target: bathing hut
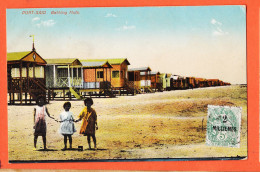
[141, 78]
[191, 82]
[64, 73]
[163, 80]
[118, 72]
[201, 82]
[155, 81]
[97, 78]
[63, 77]
[213, 82]
[168, 77]
[134, 80]
[175, 82]
[26, 77]
[95, 73]
[118, 75]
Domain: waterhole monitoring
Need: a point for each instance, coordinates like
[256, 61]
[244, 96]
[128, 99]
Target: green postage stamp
[223, 126]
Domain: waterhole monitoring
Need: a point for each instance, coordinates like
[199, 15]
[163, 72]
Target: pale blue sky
[190, 41]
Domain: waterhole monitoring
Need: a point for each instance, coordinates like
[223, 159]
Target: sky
[200, 41]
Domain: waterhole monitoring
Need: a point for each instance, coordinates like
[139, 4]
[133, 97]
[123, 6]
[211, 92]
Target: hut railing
[131, 84]
[62, 82]
[15, 84]
[97, 85]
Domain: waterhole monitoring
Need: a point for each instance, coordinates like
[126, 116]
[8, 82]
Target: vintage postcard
[127, 83]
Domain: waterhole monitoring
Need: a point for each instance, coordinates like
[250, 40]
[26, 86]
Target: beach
[169, 124]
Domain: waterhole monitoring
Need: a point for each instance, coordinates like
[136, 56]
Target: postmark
[223, 126]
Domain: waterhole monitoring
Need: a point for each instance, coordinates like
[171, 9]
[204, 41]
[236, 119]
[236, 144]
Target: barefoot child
[67, 127]
[40, 125]
[89, 122]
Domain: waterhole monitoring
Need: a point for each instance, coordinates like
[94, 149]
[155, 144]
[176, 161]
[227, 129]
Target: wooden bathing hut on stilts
[144, 78]
[118, 75]
[156, 85]
[96, 78]
[64, 77]
[26, 74]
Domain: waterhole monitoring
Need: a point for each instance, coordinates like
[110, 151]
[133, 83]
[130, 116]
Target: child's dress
[89, 119]
[40, 122]
[67, 125]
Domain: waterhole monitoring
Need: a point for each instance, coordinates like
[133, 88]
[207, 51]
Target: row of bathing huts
[30, 76]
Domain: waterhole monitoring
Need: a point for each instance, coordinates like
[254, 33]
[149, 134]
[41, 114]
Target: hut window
[115, 74]
[15, 72]
[100, 74]
[39, 72]
[62, 72]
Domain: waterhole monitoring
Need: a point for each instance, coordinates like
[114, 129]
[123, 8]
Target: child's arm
[96, 125]
[81, 115]
[49, 113]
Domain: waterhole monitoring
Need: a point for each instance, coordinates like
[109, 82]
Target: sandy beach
[159, 125]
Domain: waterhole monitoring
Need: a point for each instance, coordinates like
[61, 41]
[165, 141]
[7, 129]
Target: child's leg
[89, 142]
[44, 141]
[94, 140]
[65, 141]
[70, 140]
[35, 140]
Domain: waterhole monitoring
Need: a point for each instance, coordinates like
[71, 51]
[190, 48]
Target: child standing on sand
[40, 125]
[67, 127]
[89, 121]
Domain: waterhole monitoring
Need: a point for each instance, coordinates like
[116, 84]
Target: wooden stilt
[64, 94]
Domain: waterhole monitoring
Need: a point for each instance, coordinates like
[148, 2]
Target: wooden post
[11, 86]
[54, 76]
[27, 77]
[103, 75]
[69, 75]
[110, 71]
[82, 78]
[64, 94]
[95, 78]
[44, 75]
[33, 70]
[72, 70]
[106, 74]
[21, 65]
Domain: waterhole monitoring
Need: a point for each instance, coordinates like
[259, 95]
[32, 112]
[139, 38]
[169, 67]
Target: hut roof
[15, 56]
[213, 80]
[63, 61]
[26, 56]
[95, 64]
[111, 61]
[141, 69]
[200, 79]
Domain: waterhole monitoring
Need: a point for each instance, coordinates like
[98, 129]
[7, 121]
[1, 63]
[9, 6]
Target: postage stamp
[223, 126]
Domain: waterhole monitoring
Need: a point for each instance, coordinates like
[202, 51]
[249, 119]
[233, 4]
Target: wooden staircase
[76, 93]
[129, 89]
[148, 90]
[159, 87]
[108, 89]
[41, 90]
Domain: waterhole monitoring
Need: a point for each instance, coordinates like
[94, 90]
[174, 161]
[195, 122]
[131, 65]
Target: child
[89, 123]
[67, 127]
[40, 125]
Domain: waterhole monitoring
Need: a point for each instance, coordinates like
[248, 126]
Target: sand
[158, 125]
